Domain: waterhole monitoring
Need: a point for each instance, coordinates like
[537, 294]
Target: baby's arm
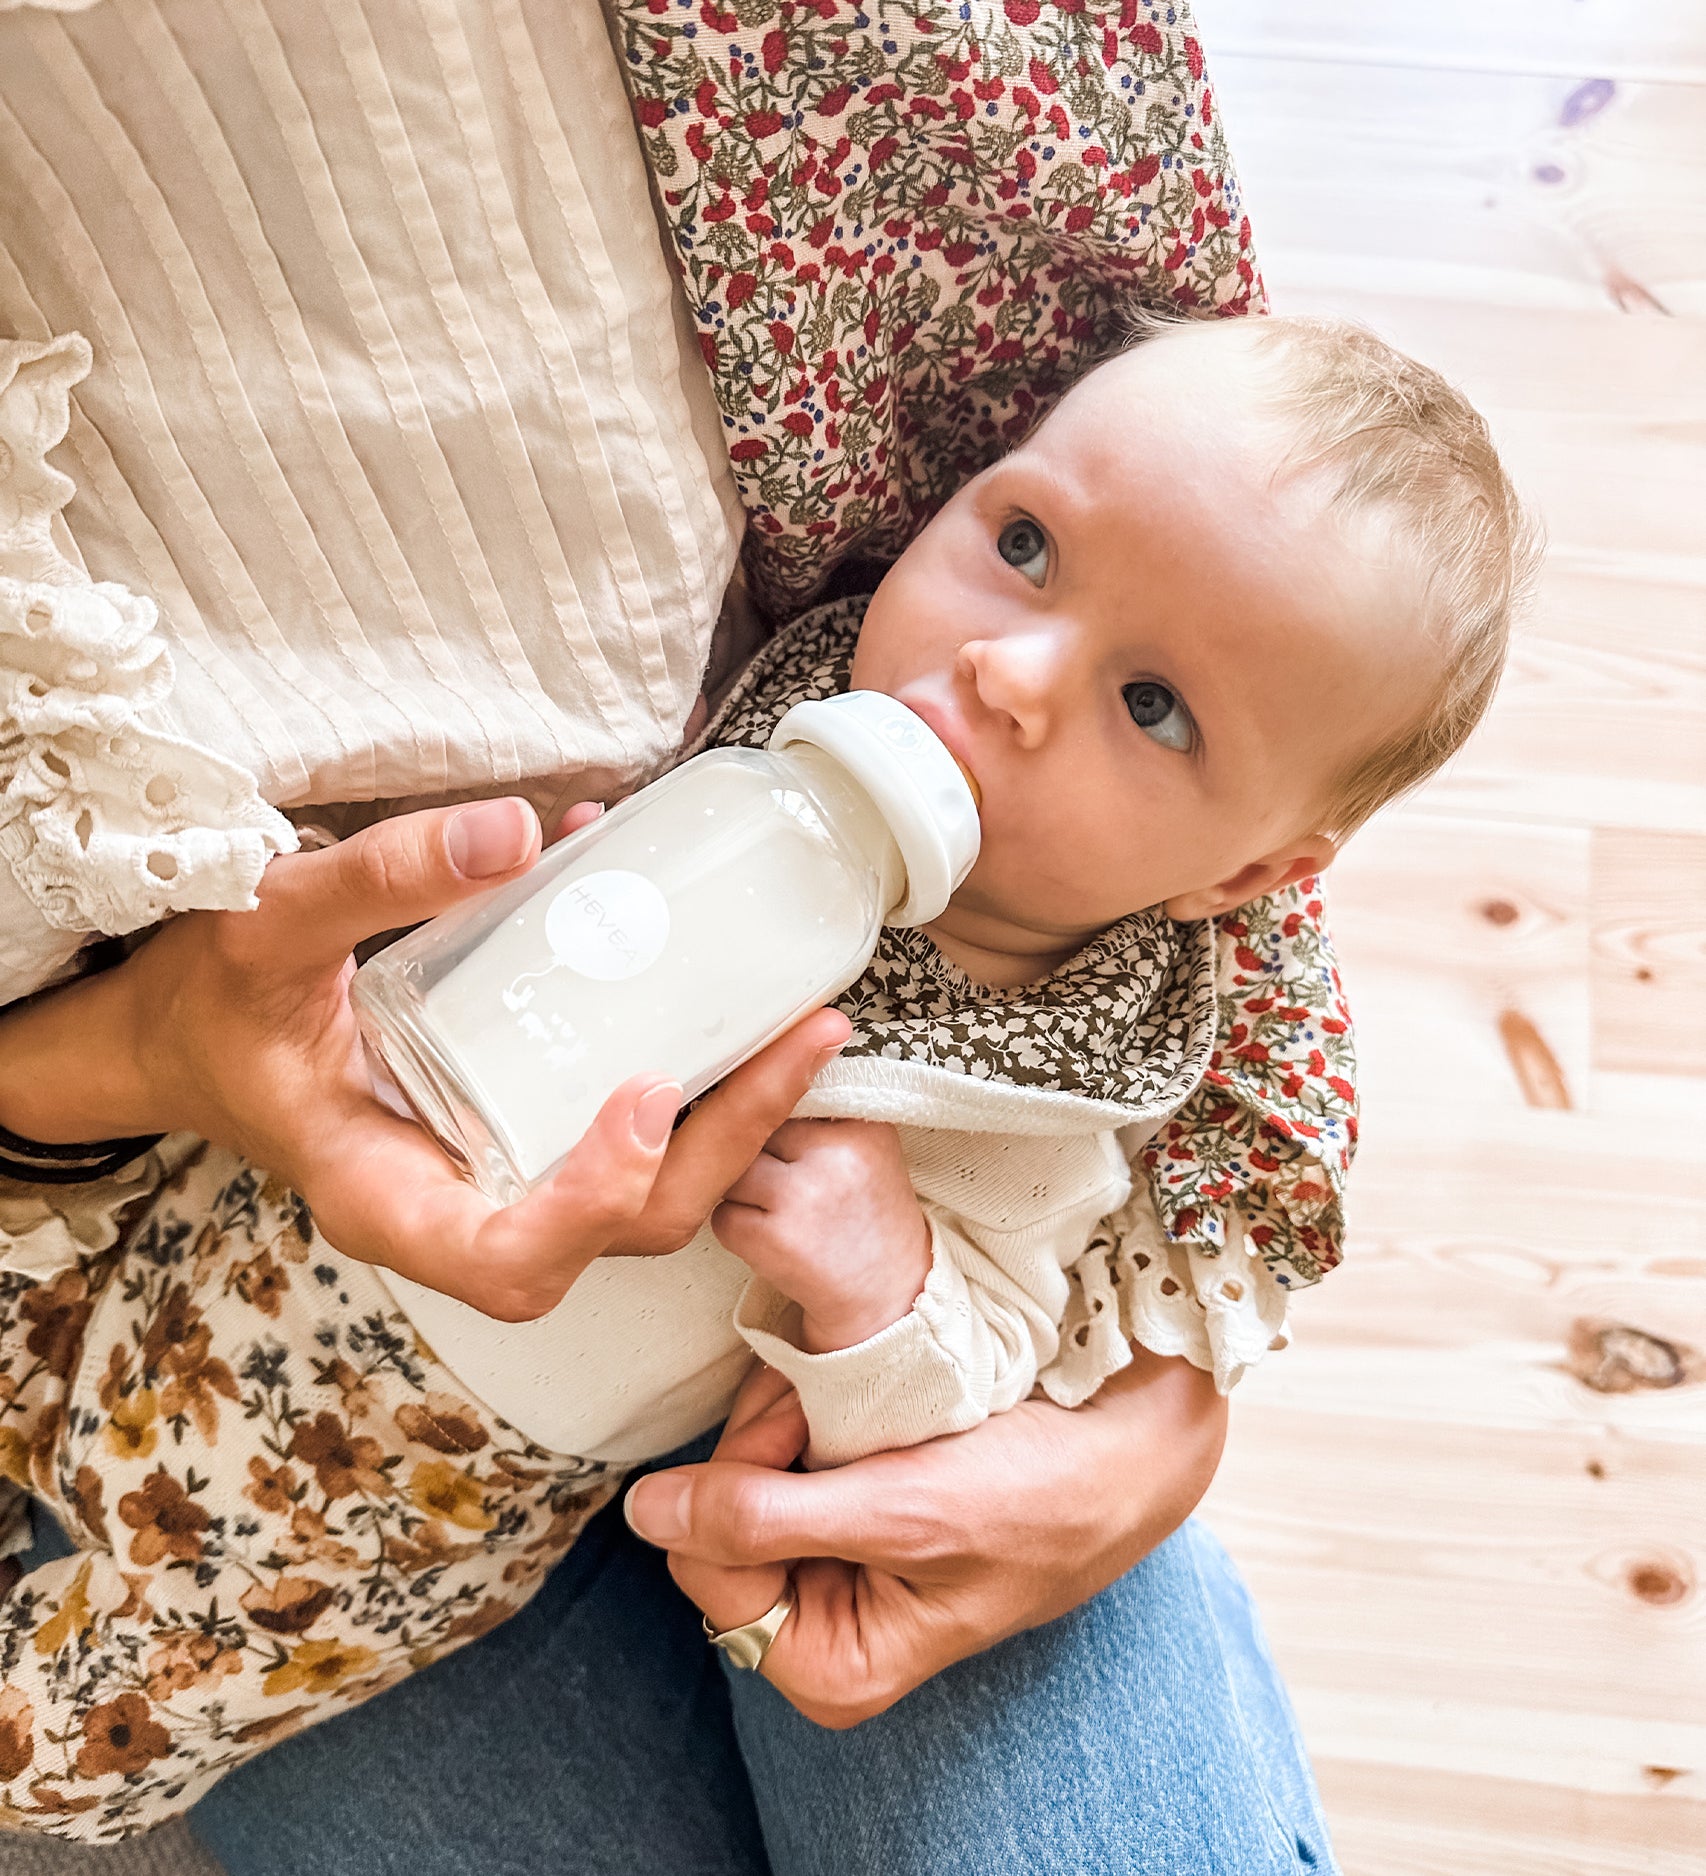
[958, 1319]
[827, 1215]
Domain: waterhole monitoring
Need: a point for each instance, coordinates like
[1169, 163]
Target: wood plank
[1601, 718]
[1496, 188]
[1616, 493]
[1582, 361]
[1659, 41]
[1649, 952]
[1444, 927]
[1602, 715]
[1470, 1501]
[1471, 1599]
[1639, 1096]
[1470, 1561]
[1406, 1821]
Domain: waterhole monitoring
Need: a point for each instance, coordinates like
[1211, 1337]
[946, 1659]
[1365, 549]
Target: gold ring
[747, 1645]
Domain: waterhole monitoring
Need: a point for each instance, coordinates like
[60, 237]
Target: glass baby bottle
[680, 932]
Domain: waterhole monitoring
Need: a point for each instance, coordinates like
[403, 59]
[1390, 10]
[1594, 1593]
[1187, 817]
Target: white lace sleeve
[1223, 1312]
[107, 823]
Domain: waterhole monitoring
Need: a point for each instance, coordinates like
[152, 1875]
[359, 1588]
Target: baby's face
[1153, 648]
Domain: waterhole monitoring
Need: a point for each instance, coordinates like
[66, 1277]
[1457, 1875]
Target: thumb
[397, 872]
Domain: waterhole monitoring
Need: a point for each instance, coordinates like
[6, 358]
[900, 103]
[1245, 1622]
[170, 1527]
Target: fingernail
[490, 837]
[828, 1055]
[662, 1516]
[654, 1115]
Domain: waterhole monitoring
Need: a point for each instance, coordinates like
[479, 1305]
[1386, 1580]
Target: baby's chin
[983, 921]
[1035, 914]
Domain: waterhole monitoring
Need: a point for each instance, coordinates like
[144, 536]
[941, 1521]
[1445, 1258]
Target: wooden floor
[1472, 1501]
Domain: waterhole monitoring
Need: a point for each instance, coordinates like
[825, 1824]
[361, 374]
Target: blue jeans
[595, 1734]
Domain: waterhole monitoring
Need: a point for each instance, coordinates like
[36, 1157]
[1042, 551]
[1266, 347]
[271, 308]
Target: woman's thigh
[1146, 1732]
[592, 1735]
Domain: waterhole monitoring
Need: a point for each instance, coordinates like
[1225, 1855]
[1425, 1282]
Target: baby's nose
[1019, 677]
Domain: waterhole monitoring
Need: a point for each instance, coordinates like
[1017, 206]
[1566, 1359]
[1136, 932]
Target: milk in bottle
[680, 932]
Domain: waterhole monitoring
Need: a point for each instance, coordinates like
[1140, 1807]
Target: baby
[1245, 584]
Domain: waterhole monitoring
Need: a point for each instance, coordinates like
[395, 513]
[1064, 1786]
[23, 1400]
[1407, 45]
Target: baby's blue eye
[1158, 713]
[1024, 545]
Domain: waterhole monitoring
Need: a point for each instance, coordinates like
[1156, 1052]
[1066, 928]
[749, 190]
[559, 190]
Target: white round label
[608, 925]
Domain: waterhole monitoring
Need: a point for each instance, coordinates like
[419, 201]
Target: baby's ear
[1284, 867]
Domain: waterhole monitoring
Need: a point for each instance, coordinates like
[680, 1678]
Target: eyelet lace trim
[107, 823]
[1222, 1310]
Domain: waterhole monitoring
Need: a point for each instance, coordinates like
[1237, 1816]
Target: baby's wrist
[834, 1323]
[829, 1333]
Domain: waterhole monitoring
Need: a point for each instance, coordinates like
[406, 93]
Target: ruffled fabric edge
[1266, 1142]
[1222, 1311]
[47, 1229]
[107, 822]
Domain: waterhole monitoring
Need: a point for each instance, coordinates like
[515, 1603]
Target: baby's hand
[828, 1215]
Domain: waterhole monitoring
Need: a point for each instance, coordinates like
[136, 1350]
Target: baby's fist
[828, 1215]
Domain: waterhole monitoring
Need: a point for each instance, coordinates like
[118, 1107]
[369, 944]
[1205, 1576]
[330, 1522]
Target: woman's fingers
[582, 814]
[738, 1513]
[382, 1191]
[727, 1132]
[386, 1193]
[596, 1197]
[765, 1428]
[319, 906]
[741, 1438]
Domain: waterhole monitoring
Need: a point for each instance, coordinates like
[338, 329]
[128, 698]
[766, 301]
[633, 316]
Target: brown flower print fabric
[282, 1504]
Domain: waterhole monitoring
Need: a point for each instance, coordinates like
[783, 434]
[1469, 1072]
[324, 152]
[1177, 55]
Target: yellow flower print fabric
[282, 1503]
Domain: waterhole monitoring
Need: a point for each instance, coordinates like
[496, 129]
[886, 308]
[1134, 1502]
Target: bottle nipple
[971, 783]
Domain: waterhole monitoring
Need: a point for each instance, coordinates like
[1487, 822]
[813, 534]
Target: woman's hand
[917, 1559]
[237, 1026]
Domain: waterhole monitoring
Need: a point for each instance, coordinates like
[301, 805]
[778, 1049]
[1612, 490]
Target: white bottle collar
[913, 780]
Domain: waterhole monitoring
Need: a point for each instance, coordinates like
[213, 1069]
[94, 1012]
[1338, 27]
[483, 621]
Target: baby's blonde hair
[1408, 450]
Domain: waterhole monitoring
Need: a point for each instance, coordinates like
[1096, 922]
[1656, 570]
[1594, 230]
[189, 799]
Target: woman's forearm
[68, 1064]
[1160, 1426]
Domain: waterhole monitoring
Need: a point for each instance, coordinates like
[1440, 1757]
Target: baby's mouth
[939, 719]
